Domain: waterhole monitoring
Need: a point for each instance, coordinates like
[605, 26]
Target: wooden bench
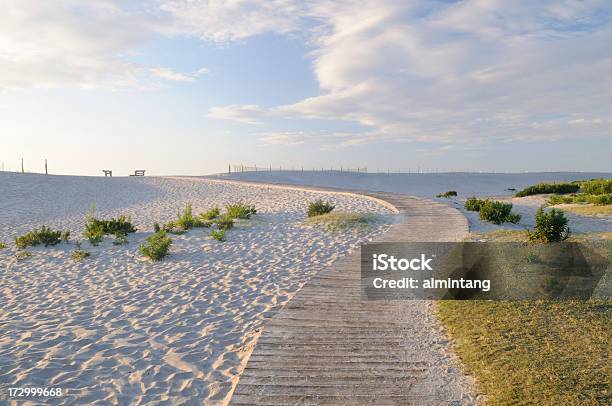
[139, 172]
[107, 172]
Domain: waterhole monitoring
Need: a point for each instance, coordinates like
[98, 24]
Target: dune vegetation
[535, 352]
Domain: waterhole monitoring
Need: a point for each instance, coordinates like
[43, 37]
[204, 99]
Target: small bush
[157, 246]
[94, 232]
[2, 245]
[44, 236]
[473, 204]
[240, 211]
[224, 222]
[96, 229]
[495, 212]
[319, 207]
[447, 194]
[541, 188]
[513, 218]
[79, 254]
[218, 235]
[550, 226]
[156, 227]
[211, 214]
[21, 255]
[187, 221]
[596, 187]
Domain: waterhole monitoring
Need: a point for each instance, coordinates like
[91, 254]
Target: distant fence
[270, 168]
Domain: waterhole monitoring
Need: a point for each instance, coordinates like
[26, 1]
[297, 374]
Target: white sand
[116, 329]
[481, 185]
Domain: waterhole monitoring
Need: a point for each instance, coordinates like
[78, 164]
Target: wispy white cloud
[284, 138]
[50, 43]
[169, 74]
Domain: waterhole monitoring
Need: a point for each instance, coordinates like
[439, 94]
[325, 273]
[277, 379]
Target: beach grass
[341, 220]
[534, 352]
[589, 210]
[529, 353]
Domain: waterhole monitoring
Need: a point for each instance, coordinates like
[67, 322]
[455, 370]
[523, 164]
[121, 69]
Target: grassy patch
[240, 211]
[534, 352]
[218, 235]
[2, 245]
[44, 235]
[157, 246]
[596, 186]
[79, 254]
[211, 214]
[590, 210]
[319, 207]
[447, 194]
[225, 222]
[582, 198]
[528, 353]
[542, 188]
[341, 220]
[21, 255]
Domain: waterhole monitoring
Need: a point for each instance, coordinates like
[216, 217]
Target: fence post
[22, 165]
[46, 173]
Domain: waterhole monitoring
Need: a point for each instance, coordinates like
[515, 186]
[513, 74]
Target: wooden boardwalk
[327, 346]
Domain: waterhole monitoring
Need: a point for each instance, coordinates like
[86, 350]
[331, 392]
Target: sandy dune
[428, 185]
[116, 329]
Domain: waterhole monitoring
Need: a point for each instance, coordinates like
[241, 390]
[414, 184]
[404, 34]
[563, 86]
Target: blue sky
[186, 87]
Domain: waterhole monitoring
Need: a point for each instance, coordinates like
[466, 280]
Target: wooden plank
[328, 346]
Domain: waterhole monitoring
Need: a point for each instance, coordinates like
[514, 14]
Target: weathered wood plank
[327, 346]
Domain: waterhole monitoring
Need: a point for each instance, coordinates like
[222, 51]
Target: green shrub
[449, 193]
[156, 227]
[513, 218]
[218, 235]
[187, 221]
[495, 212]
[94, 232]
[225, 222]
[541, 188]
[157, 246]
[601, 200]
[211, 214]
[44, 236]
[596, 187]
[79, 254]
[550, 226]
[2, 245]
[96, 229]
[240, 211]
[319, 207]
[473, 204]
[21, 255]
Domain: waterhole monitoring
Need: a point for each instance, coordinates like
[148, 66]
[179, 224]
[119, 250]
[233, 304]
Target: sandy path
[115, 329]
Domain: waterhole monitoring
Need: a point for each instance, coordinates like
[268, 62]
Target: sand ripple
[115, 329]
